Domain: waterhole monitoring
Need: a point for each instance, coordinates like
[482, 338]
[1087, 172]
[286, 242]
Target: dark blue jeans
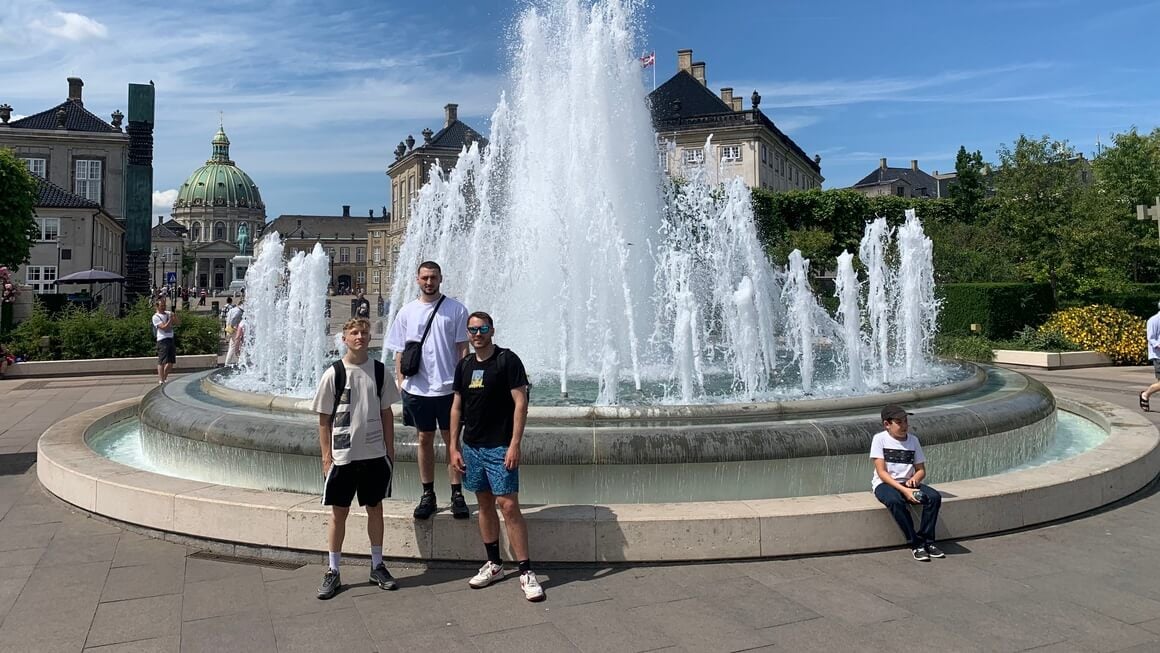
[899, 509]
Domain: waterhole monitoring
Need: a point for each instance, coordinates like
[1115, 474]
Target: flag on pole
[648, 59]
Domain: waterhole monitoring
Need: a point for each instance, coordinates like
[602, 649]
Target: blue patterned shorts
[486, 473]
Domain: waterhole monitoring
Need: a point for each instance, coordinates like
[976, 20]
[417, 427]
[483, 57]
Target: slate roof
[455, 136]
[916, 178]
[318, 226]
[55, 197]
[77, 118]
[162, 232]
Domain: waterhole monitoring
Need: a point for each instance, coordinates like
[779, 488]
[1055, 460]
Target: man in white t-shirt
[356, 432]
[899, 467]
[427, 395]
[163, 325]
[1152, 332]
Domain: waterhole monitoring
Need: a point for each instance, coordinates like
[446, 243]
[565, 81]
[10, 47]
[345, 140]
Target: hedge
[1140, 300]
[1001, 308]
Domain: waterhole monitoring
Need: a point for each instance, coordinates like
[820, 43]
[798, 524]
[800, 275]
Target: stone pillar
[139, 191]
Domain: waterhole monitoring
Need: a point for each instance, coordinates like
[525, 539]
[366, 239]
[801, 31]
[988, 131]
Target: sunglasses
[485, 329]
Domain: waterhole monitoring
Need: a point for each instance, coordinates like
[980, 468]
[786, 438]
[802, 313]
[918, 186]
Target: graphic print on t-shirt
[899, 456]
[476, 379]
[340, 430]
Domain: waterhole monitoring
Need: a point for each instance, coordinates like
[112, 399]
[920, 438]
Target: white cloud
[72, 26]
[163, 201]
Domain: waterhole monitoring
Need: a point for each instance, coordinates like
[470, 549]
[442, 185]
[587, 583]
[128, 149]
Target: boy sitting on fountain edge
[899, 467]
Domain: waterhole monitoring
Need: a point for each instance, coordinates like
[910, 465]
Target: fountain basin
[283, 522]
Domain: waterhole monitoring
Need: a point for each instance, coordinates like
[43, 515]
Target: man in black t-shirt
[490, 402]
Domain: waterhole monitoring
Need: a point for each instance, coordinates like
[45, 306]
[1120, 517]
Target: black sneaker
[921, 555]
[426, 506]
[459, 507]
[330, 584]
[933, 551]
[383, 578]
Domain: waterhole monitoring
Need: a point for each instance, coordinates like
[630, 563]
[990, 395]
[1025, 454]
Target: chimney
[346, 210]
[727, 96]
[699, 72]
[685, 61]
[371, 214]
[737, 104]
[159, 219]
[914, 165]
[451, 113]
[74, 90]
[882, 163]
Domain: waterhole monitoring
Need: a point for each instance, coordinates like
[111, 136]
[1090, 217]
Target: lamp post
[155, 284]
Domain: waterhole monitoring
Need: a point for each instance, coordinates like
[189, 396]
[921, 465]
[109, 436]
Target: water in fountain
[846, 288]
[880, 283]
[286, 346]
[917, 305]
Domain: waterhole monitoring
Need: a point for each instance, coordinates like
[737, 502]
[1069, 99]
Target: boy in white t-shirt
[899, 467]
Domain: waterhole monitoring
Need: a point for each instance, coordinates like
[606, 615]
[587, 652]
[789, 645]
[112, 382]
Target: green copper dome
[220, 182]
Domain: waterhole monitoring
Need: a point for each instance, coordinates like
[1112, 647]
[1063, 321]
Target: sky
[315, 95]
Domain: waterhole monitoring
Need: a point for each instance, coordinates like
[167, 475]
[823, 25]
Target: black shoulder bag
[413, 351]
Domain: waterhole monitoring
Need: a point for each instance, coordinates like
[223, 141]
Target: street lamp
[155, 284]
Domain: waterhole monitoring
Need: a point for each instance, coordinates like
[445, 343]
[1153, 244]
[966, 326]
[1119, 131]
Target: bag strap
[431, 319]
[380, 376]
[339, 386]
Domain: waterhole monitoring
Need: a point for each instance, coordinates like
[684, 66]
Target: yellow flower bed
[1108, 330]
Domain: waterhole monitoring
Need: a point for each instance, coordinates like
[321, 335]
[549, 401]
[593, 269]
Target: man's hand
[456, 460]
[327, 462]
[512, 459]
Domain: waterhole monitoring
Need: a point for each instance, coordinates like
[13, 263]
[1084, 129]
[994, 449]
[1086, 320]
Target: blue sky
[316, 94]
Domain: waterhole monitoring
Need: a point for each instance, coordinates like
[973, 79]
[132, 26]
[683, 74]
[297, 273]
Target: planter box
[98, 366]
[1052, 360]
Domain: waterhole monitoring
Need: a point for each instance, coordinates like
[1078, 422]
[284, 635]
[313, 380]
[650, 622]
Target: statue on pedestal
[243, 240]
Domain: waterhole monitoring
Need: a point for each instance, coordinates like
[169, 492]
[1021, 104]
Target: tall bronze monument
[139, 190]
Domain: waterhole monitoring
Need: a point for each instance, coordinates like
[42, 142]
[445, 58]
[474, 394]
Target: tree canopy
[18, 194]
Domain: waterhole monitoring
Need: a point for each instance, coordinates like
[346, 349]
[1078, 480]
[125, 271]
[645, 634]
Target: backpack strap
[339, 386]
[380, 376]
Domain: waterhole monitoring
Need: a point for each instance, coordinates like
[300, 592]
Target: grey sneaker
[459, 507]
[921, 555]
[933, 551]
[426, 506]
[330, 584]
[383, 578]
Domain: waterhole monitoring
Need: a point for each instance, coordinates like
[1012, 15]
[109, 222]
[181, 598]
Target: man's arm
[461, 348]
[1154, 334]
[398, 370]
[324, 442]
[388, 417]
[454, 457]
[519, 419]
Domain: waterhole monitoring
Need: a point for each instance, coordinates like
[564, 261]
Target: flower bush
[1108, 330]
[7, 286]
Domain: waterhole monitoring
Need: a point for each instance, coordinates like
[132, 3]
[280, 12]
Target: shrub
[24, 341]
[198, 334]
[1041, 339]
[1106, 329]
[1140, 299]
[1000, 308]
[967, 348]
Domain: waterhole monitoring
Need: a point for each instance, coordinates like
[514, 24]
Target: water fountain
[672, 362]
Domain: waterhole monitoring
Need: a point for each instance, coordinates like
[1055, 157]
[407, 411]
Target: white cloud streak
[71, 26]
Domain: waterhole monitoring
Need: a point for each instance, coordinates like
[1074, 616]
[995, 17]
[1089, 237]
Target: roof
[162, 232]
[77, 118]
[455, 136]
[220, 182]
[318, 226]
[916, 178]
[683, 103]
[55, 197]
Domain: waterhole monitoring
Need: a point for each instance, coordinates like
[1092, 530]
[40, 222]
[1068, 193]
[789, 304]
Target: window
[36, 167]
[694, 156]
[360, 255]
[344, 255]
[376, 277]
[195, 232]
[764, 153]
[66, 254]
[378, 253]
[49, 229]
[730, 153]
[663, 160]
[88, 183]
[362, 278]
[900, 191]
[219, 231]
[42, 278]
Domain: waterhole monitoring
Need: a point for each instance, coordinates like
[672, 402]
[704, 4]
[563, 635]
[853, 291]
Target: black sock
[429, 488]
[456, 489]
[525, 566]
[493, 552]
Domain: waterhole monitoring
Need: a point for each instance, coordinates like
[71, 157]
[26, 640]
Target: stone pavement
[69, 582]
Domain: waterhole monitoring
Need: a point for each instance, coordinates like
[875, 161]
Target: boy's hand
[910, 498]
[327, 462]
[910, 482]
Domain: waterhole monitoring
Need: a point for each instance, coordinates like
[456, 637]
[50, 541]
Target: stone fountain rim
[977, 378]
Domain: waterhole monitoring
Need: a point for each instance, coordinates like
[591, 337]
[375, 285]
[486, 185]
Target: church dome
[220, 182]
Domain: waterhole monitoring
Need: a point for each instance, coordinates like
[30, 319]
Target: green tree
[1128, 173]
[969, 189]
[18, 194]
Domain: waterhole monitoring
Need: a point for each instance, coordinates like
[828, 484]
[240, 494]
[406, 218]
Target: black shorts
[1156, 367]
[166, 351]
[370, 479]
[427, 413]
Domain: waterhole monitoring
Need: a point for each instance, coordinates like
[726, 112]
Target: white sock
[335, 558]
[376, 556]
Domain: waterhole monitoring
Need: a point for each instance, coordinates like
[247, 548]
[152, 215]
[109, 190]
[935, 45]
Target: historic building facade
[902, 182]
[746, 142]
[212, 206]
[79, 160]
[409, 171]
[344, 237]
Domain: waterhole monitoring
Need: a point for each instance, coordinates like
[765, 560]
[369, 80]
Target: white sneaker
[531, 586]
[488, 574]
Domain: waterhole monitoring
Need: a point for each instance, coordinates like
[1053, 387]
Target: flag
[648, 59]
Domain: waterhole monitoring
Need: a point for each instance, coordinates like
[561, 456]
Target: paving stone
[250, 632]
[774, 572]
[1089, 629]
[527, 639]
[133, 551]
[636, 587]
[27, 537]
[604, 627]
[197, 570]
[499, 607]
[833, 598]
[299, 596]
[572, 587]
[215, 598]
[989, 626]
[20, 557]
[696, 625]
[171, 644]
[143, 581]
[80, 550]
[341, 630]
[408, 609]
[445, 639]
[135, 619]
[752, 603]
[1093, 592]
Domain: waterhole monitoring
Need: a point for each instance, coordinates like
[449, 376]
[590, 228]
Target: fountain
[672, 362]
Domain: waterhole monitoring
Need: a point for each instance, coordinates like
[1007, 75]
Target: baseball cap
[893, 411]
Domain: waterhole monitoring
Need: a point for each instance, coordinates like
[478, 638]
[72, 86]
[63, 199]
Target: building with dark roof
[408, 172]
[903, 182]
[79, 160]
[746, 142]
[344, 237]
